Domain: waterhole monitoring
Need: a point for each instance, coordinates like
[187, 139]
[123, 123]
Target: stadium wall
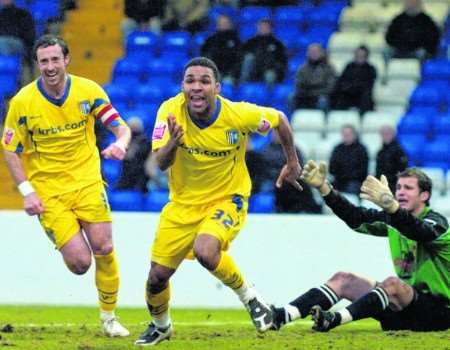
[282, 255]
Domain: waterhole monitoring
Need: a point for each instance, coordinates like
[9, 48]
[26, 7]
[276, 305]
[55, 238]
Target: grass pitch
[77, 328]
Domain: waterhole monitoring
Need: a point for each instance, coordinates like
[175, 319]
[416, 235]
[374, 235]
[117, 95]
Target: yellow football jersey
[56, 136]
[210, 163]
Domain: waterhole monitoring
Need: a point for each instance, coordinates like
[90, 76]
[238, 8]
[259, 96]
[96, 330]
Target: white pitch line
[182, 324]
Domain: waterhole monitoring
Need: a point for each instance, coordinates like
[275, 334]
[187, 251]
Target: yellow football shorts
[180, 224]
[62, 213]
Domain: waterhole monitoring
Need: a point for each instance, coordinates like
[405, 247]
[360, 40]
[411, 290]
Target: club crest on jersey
[85, 107]
[264, 125]
[232, 136]
[9, 134]
[159, 131]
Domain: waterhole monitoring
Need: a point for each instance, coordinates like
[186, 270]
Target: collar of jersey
[56, 101]
[424, 212]
[202, 124]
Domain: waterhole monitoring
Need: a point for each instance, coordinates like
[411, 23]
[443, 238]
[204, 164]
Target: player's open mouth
[197, 101]
[402, 201]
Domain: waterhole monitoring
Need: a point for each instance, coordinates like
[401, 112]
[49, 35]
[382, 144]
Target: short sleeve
[259, 119]
[15, 128]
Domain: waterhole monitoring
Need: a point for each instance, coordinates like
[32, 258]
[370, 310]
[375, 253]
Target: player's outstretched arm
[165, 156]
[378, 192]
[31, 201]
[118, 148]
[292, 169]
[315, 175]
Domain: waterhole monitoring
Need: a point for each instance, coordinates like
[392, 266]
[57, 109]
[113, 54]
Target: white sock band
[346, 316]
[25, 188]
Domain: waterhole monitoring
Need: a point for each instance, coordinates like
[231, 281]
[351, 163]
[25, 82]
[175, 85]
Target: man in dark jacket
[412, 34]
[349, 162]
[224, 48]
[354, 86]
[265, 56]
[391, 158]
[17, 32]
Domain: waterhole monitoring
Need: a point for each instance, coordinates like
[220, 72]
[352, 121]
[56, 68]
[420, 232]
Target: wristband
[25, 188]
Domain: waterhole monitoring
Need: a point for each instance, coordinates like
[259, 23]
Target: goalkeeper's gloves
[378, 192]
[316, 176]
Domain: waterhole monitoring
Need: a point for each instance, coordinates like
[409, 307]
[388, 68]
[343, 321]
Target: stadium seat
[337, 119]
[175, 43]
[280, 93]
[147, 115]
[118, 94]
[143, 45]
[227, 91]
[263, 202]
[437, 176]
[373, 120]
[403, 69]
[259, 142]
[156, 200]
[414, 123]
[426, 95]
[253, 92]
[292, 16]
[308, 120]
[441, 125]
[127, 70]
[344, 41]
[252, 14]
[148, 93]
[307, 141]
[126, 200]
[198, 39]
[111, 171]
[413, 144]
[161, 68]
[373, 143]
[436, 154]
[436, 70]
[393, 92]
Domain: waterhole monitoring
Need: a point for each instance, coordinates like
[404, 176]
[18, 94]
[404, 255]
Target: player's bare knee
[79, 267]
[157, 280]
[392, 285]
[341, 278]
[208, 258]
[103, 249]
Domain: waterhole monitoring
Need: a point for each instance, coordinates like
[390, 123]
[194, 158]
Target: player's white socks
[346, 316]
[292, 312]
[162, 320]
[106, 315]
[245, 293]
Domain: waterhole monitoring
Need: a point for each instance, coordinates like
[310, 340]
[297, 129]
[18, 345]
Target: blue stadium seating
[290, 16]
[438, 69]
[426, 95]
[263, 202]
[147, 115]
[126, 200]
[252, 14]
[280, 93]
[127, 70]
[413, 144]
[436, 154]
[161, 67]
[253, 92]
[227, 91]
[176, 43]
[156, 200]
[259, 142]
[441, 125]
[111, 170]
[118, 94]
[414, 123]
[197, 41]
[143, 45]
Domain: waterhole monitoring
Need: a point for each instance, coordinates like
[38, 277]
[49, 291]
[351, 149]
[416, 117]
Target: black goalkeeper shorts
[426, 313]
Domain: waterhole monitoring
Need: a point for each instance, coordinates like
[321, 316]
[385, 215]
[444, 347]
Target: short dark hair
[365, 49]
[50, 40]
[203, 62]
[423, 180]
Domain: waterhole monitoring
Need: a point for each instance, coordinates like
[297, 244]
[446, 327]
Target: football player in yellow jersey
[51, 123]
[201, 137]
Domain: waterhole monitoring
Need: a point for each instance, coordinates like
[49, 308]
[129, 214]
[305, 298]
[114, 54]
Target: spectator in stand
[224, 48]
[287, 198]
[349, 162]
[412, 34]
[133, 175]
[143, 15]
[265, 56]
[354, 86]
[157, 179]
[256, 166]
[391, 158]
[190, 15]
[17, 34]
[314, 80]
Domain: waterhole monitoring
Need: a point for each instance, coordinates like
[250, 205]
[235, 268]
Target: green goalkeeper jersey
[420, 246]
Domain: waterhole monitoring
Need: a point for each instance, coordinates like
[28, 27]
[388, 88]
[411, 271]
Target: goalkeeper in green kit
[418, 299]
